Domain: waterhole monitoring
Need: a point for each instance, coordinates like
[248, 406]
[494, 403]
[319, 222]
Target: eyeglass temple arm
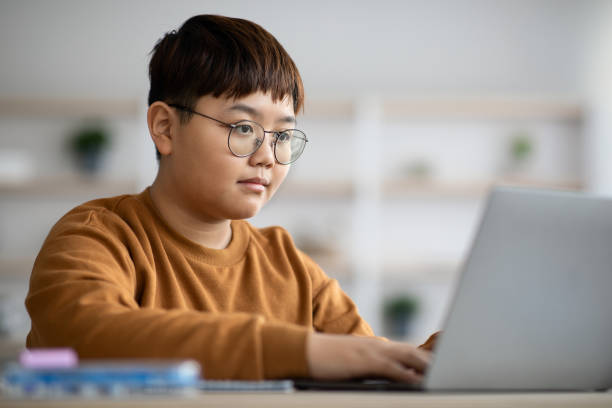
[186, 109]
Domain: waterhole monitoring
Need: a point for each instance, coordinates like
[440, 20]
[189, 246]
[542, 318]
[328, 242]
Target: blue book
[103, 378]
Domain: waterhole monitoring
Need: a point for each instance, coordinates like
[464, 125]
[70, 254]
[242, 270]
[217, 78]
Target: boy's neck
[215, 234]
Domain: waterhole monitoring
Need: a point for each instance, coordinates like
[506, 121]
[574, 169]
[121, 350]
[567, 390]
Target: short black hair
[221, 56]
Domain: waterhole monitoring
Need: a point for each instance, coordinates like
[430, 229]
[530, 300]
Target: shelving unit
[510, 107]
[68, 108]
[403, 188]
[48, 120]
[31, 201]
[68, 185]
[366, 197]
[485, 107]
[370, 195]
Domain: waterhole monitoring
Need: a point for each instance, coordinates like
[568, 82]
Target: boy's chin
[244, 213]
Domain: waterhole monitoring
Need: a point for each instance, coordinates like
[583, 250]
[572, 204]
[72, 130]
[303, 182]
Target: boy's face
[209, 181]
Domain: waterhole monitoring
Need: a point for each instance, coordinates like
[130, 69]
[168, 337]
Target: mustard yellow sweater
[113, 280]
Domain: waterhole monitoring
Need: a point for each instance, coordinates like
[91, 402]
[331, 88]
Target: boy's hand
[338, 357]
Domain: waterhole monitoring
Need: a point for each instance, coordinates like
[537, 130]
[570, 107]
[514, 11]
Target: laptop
[533, 307]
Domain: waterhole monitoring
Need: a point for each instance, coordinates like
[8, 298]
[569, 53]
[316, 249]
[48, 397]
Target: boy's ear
[162, 121]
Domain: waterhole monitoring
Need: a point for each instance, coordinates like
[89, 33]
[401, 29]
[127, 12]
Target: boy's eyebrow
[240, 107]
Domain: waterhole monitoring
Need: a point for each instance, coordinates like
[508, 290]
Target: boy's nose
[264, 156]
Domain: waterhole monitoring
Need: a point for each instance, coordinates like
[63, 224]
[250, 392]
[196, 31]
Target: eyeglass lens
[246, 137]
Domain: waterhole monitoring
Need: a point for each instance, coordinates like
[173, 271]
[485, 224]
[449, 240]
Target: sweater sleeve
[333, 309]
[83, 292]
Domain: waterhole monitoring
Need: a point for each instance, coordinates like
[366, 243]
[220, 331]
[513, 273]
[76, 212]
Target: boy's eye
[283, 136]
[244, 129]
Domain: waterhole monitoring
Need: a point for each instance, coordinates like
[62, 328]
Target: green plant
[403, 306]
[89, 139]
[399, 312]
[87, 145]
[521, 147]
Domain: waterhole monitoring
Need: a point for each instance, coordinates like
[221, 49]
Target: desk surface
[337, 400]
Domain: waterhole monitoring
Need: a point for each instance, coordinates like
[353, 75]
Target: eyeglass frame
[233, 126]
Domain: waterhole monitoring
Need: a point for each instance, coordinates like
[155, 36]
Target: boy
[175, 272]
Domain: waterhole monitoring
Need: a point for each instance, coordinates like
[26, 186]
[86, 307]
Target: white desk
[336, 400]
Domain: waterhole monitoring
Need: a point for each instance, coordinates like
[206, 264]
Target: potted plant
[520, 153]
[399, 312]
[88, 145]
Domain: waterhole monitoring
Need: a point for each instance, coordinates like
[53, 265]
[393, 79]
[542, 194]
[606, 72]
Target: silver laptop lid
[533, 308]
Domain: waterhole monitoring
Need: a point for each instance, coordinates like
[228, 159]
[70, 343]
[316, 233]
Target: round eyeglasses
[246, 136]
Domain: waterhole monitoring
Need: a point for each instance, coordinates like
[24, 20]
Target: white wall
[356, 50]
[72, 47]
[598, 90]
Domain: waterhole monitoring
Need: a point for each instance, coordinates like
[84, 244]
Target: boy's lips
[256, 180]
[255, 184]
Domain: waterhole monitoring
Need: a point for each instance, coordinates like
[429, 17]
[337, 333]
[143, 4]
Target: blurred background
[413, 110]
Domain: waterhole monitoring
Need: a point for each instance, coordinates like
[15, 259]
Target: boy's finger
[430, 344]
[398, 372]
[413, 358]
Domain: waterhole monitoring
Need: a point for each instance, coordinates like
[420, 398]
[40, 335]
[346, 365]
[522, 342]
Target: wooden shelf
[399, 188]
[16, 268]
[519, 107]
[76, 108]
[10, 348]
[485, 108]
[329, 109]
[423, 270]
[331, 190]
[67, 185]
[468, 189]
[431, 269]
[335, 265]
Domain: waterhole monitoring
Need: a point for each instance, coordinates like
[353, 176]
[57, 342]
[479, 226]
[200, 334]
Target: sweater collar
[230, 255]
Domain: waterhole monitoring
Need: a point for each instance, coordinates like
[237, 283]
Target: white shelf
[330, 190]
[10, 348]
[329, 108]
[469, 106]
[485, 108]
[424, 271]
[468, 189]
[52, 107]
[67, 185]
[333, 264]
[16, 268]
[398, 188]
